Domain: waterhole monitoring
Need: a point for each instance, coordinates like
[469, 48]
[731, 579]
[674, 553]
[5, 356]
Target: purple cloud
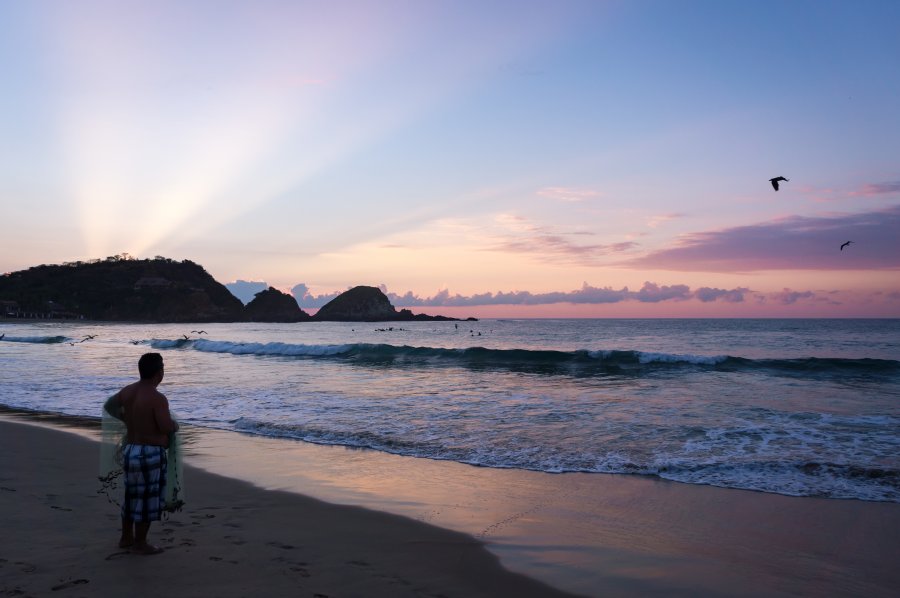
[246, 290]
[650, 292]
[789, 297]
[708, 294]
[878, 189]
[305, 299]
[794, 243]
[653, 293]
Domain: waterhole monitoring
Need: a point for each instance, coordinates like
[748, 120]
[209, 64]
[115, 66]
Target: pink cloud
[567, 193]
[789, 297]
[707, 294]
[875, 189]
[548, 245]
[655, 221]
[792, 243]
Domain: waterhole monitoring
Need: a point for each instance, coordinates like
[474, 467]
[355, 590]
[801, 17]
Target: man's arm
[163, 418]
[113, 406]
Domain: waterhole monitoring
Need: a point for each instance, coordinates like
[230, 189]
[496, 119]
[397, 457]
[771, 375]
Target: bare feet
[126, 542]
[146, 549]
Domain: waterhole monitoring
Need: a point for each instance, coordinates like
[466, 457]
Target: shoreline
[600, 534]
[234, 539]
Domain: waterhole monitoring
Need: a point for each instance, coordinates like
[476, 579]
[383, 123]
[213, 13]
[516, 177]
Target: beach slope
[60, 535]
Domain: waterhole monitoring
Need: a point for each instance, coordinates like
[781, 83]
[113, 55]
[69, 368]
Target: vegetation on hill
[121, 288]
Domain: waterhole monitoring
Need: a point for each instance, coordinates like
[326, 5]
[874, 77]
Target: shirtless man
[145, 412]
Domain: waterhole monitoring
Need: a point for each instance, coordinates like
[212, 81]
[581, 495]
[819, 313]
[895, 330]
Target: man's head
[150, 365]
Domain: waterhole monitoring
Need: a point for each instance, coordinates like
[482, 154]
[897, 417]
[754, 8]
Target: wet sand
[601, 535]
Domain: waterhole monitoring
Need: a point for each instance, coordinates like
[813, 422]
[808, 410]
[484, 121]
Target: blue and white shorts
[145, 481]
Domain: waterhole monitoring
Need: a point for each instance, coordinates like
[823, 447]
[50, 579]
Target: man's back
[146, 414]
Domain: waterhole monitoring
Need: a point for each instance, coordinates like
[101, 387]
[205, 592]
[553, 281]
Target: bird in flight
[775, 181]
[89, 337]
[198, 331]
[845, 244]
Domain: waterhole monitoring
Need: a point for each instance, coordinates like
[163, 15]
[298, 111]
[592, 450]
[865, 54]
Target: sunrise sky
[506, 159]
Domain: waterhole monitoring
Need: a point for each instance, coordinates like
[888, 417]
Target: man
[145, 412]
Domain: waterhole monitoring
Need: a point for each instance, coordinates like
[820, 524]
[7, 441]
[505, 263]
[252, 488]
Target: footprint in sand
[117, 555]
[280, 545]
[69, 584]
[299, 568]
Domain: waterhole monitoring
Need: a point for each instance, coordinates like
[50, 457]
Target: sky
[495, 159]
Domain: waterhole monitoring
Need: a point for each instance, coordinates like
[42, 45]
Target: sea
[800, 407]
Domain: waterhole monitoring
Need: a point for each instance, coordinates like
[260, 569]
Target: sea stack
[359, 304]
[272, 305]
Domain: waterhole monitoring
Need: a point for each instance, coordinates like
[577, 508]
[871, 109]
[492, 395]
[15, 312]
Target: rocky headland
[121, 288]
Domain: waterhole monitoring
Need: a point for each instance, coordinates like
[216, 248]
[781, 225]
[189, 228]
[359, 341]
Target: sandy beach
[59, 538]
[599, 535]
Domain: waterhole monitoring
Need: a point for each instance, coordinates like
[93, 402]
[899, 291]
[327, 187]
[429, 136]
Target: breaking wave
[44, 340]
[579, 363]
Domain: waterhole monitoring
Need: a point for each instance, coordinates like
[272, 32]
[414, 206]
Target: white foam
[644, 357]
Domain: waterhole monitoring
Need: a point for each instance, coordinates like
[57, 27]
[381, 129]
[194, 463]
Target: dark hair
[149, 365]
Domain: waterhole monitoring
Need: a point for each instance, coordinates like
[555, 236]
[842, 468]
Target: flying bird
[186, 337]
[845, 244]
[775, 181]
[198, 331]
[89, 337]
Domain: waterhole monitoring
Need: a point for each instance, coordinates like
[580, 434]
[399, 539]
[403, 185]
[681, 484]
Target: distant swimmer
[776, 180]
[845, 244]
[134, 342]
[198, 331]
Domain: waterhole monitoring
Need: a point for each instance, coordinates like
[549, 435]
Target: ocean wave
[794, 478]
[44, 340]
[579, 362]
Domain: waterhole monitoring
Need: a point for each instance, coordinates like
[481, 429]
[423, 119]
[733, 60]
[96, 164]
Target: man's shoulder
[158, 397]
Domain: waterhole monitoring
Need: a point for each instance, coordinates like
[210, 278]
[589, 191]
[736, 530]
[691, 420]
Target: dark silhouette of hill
[271, 305]
[367, 304]
[120, 288]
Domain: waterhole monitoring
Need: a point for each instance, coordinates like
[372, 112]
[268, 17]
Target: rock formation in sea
[367, 304]
[271, 305]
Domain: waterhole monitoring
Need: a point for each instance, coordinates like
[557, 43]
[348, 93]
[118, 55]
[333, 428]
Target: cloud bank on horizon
[587, 295]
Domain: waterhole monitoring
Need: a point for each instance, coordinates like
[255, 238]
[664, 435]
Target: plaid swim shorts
[144, 467]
